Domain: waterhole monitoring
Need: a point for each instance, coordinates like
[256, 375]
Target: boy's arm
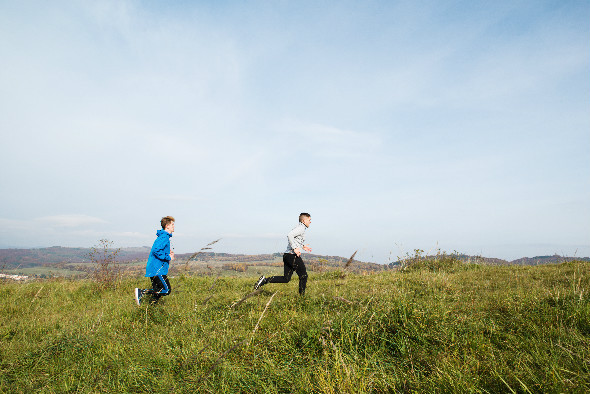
[159, 250]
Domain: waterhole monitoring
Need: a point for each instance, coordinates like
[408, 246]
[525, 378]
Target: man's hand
[171, 256]
[297, 252]
[306, 248]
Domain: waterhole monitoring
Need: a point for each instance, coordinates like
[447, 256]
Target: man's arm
[299, 230]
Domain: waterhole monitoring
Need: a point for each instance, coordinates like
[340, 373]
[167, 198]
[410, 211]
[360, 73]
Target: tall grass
[470, 328]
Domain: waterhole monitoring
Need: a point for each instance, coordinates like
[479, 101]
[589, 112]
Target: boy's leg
[302, 273]
[138, 295]
[168, 287]
[160, 287]
[141, 293]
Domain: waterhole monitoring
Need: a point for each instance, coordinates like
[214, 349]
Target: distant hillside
[555, 259]
[10, 258]
[78, 260]
[26, 258]
[547, 260]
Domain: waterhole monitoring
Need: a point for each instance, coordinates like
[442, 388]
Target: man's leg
[302, 273]
[288, 261]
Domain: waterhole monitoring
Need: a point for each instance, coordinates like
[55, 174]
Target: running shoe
[138, 295]
[261, 282]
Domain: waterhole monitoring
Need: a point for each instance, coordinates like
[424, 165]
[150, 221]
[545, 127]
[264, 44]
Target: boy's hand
[171, 256]
[307, 248]
[297, 251]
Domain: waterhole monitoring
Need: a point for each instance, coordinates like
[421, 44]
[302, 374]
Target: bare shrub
[107, 271]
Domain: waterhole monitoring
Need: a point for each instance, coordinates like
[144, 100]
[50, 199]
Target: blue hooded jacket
[159, 258]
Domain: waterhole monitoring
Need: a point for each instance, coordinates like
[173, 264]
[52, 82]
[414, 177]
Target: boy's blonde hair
[166, 220]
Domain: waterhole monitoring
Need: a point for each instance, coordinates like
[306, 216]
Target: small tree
[107, 272]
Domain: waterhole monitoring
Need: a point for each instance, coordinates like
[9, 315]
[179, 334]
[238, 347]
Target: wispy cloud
[329, 141]
[175, 197]
[254, 236]
[70, 220]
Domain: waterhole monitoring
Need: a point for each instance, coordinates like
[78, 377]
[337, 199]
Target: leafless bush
[107, 271]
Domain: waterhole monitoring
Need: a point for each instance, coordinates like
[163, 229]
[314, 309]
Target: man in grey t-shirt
[292, 260]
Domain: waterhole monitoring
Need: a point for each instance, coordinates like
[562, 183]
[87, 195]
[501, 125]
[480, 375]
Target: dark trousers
[160, 287]
[292, 262]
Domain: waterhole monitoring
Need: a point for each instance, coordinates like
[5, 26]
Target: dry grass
[202, 250]
[261, 316]
[237, 303]
[350, 260]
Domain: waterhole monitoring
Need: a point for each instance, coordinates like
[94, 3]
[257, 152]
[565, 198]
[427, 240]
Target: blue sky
[398, 125]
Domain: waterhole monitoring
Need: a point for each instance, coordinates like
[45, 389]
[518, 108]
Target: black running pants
[160, 286]
[292, 262]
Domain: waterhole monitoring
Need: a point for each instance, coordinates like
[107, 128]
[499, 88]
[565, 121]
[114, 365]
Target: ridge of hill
[35, 257]
[78, 262]
[537, 260]
[10, 258]
[547, 260]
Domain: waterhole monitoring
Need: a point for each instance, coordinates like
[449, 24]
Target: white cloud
[71, 220]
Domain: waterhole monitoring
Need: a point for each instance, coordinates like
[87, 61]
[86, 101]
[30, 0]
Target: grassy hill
[439, 326]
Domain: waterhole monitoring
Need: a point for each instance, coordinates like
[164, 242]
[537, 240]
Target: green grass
[441, 328]
[49, 272]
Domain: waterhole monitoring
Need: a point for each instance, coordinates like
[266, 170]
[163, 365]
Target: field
[438, 326]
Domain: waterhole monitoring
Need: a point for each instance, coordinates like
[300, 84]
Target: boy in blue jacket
[158, 263]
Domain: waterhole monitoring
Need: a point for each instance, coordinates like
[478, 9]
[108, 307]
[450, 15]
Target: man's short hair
[303, 215]
[166, 220]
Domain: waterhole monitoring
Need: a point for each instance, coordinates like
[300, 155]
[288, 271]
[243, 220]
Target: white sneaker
[138, 295]
[261, 282]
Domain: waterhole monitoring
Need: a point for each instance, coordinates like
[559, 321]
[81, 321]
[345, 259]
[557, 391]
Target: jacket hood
[161, 232]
